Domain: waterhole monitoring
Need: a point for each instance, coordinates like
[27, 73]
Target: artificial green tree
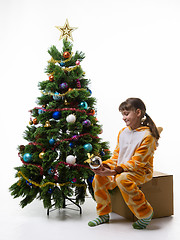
[62, 130]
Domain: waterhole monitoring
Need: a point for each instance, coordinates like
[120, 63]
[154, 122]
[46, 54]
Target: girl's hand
[103, 171]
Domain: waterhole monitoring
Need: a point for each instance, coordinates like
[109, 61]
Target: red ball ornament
[51, 78]
[92, 111]
[35, 121]
[66, 54]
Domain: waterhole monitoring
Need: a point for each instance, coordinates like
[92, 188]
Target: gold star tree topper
[66, 31]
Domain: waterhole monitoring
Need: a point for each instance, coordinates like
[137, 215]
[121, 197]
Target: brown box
[158, 192]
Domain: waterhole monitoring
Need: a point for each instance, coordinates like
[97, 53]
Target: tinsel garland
[47, 183]
[63, 94]
[63, 109]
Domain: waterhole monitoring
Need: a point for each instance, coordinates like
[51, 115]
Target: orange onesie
[134, 153]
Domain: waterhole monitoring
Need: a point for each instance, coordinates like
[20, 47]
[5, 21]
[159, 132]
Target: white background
[132, 49]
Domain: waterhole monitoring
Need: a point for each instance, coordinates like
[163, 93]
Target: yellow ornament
[66, 31]
[47, 124]
[41, 155]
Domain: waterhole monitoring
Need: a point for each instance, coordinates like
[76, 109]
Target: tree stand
[65, 205]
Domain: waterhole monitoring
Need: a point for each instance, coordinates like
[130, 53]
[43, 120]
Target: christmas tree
[62, 131]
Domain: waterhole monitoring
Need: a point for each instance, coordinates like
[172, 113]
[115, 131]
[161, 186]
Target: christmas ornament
[47, 124]
[78, 83]
[66, 54]
[35, 121]
[102, 153]
[27, 157]
[66, 31]
[51, 141]
[56, 96]
[89, 91]
[90, 179]
[92, 111]
[62, 64]
[88, 147]
[86, 123]
[40, 111]
[63, 86]
[74, 180]
[41, 155]
[50, 190]
[56, 115]
[21, 148]
[71, 159]
[94, 161]
[77, 62]
[83, 105]
[51, 171]
[71, 144]
[30, 122]
[28, 183]
[71, 118]
[51, 78]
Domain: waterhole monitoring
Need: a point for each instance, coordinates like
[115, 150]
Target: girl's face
[132, 118]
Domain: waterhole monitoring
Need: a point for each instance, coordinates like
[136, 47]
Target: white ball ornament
[71, 159]
[71, 118]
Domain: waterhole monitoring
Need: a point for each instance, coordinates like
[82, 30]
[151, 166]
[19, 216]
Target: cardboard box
[158, 192]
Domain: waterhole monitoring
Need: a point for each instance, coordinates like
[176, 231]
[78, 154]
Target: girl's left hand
[103, 171]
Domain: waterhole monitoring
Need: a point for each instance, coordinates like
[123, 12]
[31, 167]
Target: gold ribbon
[89, 158]
[47, 183]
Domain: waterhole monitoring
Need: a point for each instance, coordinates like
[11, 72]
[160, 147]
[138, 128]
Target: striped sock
[142, 223]
[99, 220]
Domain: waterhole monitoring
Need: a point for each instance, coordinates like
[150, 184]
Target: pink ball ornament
[77, 62]
[86, 123]
[71, 159]
[63, 86]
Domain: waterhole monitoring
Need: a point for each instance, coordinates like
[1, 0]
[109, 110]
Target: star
[66, 31]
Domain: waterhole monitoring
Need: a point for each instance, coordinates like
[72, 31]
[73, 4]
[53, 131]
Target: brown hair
[137, 103]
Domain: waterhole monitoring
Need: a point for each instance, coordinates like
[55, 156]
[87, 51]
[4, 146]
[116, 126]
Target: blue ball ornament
[56, 96]
[71, 144]
[56, 115]
[27, 157]
[88, 147]
[62, 64]
[90, 179]
[40, 111]
[51, 171]
[51, 141]
[102, 153]
[83, 105]
[28, 183]
[89, 91]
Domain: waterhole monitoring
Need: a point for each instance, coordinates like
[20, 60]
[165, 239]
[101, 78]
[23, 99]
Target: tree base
[51, 209]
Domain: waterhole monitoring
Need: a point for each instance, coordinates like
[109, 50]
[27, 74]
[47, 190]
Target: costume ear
[160, 129]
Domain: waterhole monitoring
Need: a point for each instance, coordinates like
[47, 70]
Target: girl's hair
[136, 103]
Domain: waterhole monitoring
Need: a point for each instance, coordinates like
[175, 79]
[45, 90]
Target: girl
[131, 165]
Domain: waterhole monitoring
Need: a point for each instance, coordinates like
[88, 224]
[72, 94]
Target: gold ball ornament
[41, 155]
[47, 124]
[30, 122]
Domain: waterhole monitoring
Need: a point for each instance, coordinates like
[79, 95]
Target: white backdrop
[132, 50]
